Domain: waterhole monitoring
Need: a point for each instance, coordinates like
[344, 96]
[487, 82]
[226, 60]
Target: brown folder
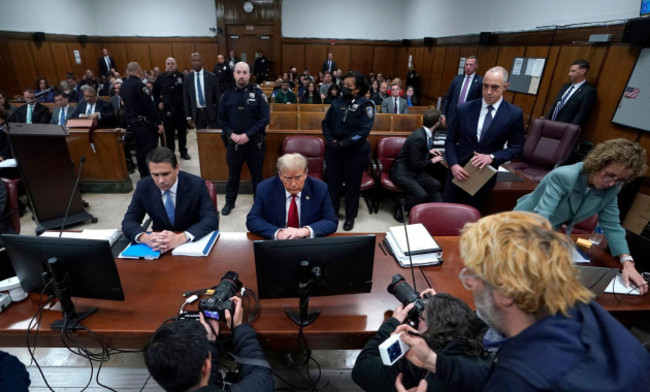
[477, 178]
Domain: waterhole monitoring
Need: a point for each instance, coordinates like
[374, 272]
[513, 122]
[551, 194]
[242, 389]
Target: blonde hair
[621, 151]
[523, 258]
[292, 161]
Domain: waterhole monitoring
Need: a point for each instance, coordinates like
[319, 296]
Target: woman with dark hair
[346, 127]
[332, 93]
[449, 327]
[4, 103]
[410, 96]
[311, 94]
[41, 85]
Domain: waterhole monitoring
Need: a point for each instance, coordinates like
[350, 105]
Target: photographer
[183, 355]
[447, 324]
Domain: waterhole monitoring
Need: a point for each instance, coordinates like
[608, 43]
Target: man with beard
[525, 286]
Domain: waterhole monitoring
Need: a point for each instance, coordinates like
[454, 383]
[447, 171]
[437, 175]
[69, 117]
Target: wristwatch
[492, 156]
[626, 258]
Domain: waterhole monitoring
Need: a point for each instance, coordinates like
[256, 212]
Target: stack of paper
[201, 247]
[110, 235]
[424, 250]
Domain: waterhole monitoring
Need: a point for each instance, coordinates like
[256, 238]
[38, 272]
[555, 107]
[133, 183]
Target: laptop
[596, 279]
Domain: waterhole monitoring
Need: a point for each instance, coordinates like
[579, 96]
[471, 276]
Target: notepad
[139, 251]
[200, 248]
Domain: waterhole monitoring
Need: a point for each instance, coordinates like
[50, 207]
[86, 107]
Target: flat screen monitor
[345, 263]
[88, 265]
[645, 7]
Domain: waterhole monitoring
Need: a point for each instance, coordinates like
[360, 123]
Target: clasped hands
[163, 240]
[478, 160]
[289, 233]
[239, 138]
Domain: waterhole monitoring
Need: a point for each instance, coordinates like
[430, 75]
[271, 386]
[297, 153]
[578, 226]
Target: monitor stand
[308, 278]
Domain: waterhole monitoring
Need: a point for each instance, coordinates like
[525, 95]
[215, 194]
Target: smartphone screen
[211, 314]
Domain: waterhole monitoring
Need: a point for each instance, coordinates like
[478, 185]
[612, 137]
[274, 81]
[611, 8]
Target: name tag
[240, 108]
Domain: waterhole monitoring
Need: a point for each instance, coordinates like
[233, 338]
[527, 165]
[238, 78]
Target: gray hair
[502, 70]
[291, 162]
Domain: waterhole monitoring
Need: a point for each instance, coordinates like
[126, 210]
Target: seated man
[284, 95]
[32, 112]
[91, 107]
[177, 202]
[183, 355]
[292, 204]
[412, 169]
[524, 284]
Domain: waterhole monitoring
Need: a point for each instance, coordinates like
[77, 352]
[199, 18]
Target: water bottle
[597, 235]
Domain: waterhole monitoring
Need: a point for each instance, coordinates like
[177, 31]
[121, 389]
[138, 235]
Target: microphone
[408, 244]
[81, 165]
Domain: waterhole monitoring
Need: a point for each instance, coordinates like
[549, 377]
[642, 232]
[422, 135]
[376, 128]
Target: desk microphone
[81, 165]
[408, 244]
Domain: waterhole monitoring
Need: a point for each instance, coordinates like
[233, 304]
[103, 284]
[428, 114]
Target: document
[198, 248]
[478, 178]
[617, 287]
[420, 240]
[420, 260]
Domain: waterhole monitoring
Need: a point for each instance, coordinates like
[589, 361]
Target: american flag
[632, 92]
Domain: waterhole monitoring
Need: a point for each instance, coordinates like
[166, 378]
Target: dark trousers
[146, 140]
[235, 158]
[454, 194]
[202, 120]
[419, 187]
[175, 123]
[346, 166]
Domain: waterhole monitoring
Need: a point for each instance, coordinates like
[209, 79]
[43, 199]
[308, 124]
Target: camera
[406, 295]
[392, 349]
[215, 305]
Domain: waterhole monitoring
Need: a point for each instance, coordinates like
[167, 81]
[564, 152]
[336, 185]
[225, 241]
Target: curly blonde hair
[523, 258]
[622, 151]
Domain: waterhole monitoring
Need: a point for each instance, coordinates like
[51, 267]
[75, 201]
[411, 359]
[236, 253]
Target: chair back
[311, 147]
[283, 120]
[387, 150]
[212, 191]
[11, 208]
[550, 143]
[443, 219]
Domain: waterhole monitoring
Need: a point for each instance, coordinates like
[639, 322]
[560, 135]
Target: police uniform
[168, 89]
[243, 110]
[225, 79]
[142, 119]
[261, 69]
[348, 122]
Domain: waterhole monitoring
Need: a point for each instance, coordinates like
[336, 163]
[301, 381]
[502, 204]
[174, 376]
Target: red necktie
[292, 218]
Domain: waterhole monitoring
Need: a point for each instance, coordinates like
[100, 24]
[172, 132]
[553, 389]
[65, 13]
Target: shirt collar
[428, 131]
[288, 195]
[173, 189]
[579, 84]
[494, 105]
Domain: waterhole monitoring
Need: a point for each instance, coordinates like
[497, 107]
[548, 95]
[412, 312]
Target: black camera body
[215, 305]
[406, 295]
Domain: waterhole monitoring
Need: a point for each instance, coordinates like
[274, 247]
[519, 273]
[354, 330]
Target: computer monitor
[76, 267]
[645, 7]
[314, 267]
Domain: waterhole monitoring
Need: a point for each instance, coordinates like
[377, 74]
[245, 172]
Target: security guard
[142, 118]
[346, 127]
[261, 68]
[243, 117]
[223, 72]
[168, 92]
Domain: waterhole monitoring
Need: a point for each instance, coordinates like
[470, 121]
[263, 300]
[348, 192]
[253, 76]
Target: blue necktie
[561, 103]
[487, 121]
[199, 90]
[62, 117]
[169, 206]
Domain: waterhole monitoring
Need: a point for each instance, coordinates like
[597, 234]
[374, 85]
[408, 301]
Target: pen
[382, 249]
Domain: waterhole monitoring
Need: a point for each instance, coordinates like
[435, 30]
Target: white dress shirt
[286, 212]
[484, 111]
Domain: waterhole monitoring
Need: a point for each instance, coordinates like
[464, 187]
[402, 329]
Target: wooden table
[153, 292]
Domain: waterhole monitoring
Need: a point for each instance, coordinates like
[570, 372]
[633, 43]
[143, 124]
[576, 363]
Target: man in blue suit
[63, 111]
[91, 107]
[463, 88]
[292, 204]
[478, 133]
[177, 202]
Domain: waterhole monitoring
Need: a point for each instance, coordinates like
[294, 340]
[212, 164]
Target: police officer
[243, 117]
[261, 68]
[224, 75]
[346, 127]
[142, 117]
[168, 92]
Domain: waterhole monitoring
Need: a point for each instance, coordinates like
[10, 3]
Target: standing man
[232, 60]
[413, 168]
[261, 68]
[96, 109]
[329, 65]
[325, 86]
[200, 96]
[142, 119]
[106, 63]
[413, 79]
[168, 92]
[243, 117]
[63, 111]
[463, 88]
[575, 100]
[32, 112]
[394, 104]
[478, 133]
[223, 72]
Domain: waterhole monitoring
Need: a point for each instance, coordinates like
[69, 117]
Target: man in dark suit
[329, 65]
[261, 68]
[106, 63]
[223, 72]
[413, 168]
[388, 105]
[91, 107]
[63, 111]
[463, 88]
[478, 133]
[292, 204]
[200, 96]
[32, 112]
[177, 202]
[575, 99]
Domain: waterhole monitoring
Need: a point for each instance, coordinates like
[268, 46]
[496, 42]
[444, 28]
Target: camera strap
[250, 361]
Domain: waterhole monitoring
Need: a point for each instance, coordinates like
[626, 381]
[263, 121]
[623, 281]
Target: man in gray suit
[200, 96]
[394, 104]
[63, 111]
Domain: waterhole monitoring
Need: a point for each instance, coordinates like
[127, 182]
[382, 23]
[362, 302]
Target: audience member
[413, 79]
[332, 94]
[413, 167]
[177, 202]
[200, 96]
[570, 194]
[311, 94]
[463, 88]
[499, 124]
[338, 75]
[72, 81]
[284, 95]
[116, 100]
[394, 104]
[232, 60]
[327, 82]
[525, 286]
[32, 112]
[378, 98]
[168, 92]
[4, 103]
[411, 100]
[575, 99]
[96, 109]
[41, 86]
[106, 63]
[70, 94]
[307, 74]
[292, 204]
[329, 65]
[62, 111]
[261, 67]
[89, 80]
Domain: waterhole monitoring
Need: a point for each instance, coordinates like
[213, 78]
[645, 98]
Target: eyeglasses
[611, 178]
[466, 274]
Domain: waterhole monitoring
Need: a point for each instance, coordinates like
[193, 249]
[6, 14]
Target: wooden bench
[405, 122]
[310, 121]
[284, 120]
